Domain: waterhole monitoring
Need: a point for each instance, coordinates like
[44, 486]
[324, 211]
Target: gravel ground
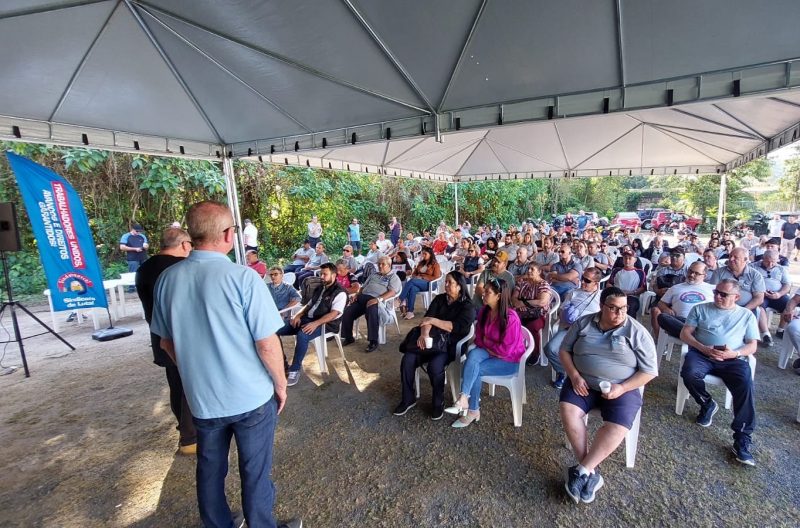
[89, 440]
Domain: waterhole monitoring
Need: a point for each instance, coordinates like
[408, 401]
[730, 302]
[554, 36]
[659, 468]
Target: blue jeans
[552, 348]
[301, 343]
[480, 363]
[738, 379]
[410, 290]
[255, 434]
[562, 288]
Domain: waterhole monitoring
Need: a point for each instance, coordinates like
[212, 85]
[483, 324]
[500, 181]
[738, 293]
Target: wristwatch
[738, 354]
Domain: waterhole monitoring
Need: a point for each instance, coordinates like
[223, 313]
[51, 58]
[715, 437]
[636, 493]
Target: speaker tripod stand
[12, 306]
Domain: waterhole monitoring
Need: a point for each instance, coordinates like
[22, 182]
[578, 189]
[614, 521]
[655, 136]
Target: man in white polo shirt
[674, 306]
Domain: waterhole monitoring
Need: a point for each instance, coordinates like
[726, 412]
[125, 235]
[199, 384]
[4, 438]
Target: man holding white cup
[608, 357]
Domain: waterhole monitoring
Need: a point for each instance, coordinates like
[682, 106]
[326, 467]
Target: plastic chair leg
[320, 348]
[416, 381]
[683, 395]
[787, 351]
[516, 403]
[632, 441]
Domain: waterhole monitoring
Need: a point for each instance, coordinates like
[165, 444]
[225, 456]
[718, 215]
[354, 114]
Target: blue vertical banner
[66, 246]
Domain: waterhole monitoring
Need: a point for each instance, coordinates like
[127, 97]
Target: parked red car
[629, 220]
[664, 219]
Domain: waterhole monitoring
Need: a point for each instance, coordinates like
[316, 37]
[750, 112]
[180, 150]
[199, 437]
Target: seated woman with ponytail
[499, 347]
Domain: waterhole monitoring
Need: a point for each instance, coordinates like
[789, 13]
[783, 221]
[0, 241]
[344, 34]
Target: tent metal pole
[455, 185]
[723, 191]
[233, 204]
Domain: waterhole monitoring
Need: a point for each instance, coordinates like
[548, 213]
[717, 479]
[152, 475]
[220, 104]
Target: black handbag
[441, 342]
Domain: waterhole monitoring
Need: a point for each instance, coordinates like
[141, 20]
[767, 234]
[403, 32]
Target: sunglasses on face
[722, 294]
[586, 280]
[497, 283]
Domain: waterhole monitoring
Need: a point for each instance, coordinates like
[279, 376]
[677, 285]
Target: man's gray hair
[734, 284]
[173, 237]
[698, 264]
[771, 254]
[207, 221]
[384, 259]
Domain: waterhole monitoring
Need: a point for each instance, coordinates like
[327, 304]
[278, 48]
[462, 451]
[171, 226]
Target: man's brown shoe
[190, 449]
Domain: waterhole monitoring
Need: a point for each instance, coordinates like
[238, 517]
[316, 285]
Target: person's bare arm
[168, 346]
[639, 379]
[309, 327]
[757, 300]
[665, 308]
[269, 351]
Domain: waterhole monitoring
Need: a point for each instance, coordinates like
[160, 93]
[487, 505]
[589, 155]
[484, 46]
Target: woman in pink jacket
[499, 346]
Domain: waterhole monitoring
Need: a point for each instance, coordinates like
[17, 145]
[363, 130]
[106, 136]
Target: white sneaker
[293, 378]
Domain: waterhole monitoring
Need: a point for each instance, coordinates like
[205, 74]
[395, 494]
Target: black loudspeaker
[9, 234]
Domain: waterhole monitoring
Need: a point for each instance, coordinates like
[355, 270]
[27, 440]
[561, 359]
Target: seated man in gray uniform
[608, 357]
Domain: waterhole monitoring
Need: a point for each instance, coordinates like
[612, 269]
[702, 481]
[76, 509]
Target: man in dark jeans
[720, 336]
[135, 246]
[175, 246]
[320, 313]
[217, 321]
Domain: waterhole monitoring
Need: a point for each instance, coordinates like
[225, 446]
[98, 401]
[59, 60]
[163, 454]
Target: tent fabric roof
[426, 88]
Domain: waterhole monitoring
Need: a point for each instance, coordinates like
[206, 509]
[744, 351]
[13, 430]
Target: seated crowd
[502, 285]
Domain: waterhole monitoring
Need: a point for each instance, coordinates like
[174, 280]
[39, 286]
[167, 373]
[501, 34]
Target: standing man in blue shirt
[217, 322]
[135, 245]
[354, 235]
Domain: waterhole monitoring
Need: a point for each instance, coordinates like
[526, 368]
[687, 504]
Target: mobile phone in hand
[719, 347]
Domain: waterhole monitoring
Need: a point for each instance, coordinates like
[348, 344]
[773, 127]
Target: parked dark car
[758, 222]
[647, 214]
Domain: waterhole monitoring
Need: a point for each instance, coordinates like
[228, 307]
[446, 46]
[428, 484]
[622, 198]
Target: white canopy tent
[433, 89]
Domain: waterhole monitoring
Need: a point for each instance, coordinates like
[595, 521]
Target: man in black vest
[175, 246]
[322, 311]
[135, 246]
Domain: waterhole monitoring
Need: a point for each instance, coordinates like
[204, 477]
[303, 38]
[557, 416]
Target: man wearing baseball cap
[135, 245]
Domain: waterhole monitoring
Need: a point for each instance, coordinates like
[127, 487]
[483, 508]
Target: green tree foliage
[118, 189]
[789, 184]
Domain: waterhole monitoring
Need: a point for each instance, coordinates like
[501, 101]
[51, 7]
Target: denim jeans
[562, 288]
[410, 290]
[552, 348]
[671, 324]
[480, 363]
[301, 343]
[254, 432]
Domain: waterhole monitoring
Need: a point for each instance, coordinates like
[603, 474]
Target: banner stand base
[109, 334]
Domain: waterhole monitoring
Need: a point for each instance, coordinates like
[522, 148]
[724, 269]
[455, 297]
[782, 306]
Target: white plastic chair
[683, 392]
[126, 280]
[289, 278]
[631, 437]
[452, 373]
[434, 287]
[515, 383]
[665, 344]
[603, 281]
[787, 352]
[550, 326]
[381, 328]
[441, 259]
[321, 347]
[81, 314]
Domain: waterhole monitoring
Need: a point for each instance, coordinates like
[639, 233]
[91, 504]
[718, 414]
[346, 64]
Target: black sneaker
[796, 364]
[767, 340]
[706, 414]
[741, 448]
[779, 334]
[72, 317]
[437, 414]
[593, 483]
[575, 483]
[403, 408]
[559, 382]
[348, 341]
[372, 347]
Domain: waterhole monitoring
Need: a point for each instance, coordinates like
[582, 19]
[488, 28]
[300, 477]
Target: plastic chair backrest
[691, 258]
[527, 339]
[464, 341]
[289, 278]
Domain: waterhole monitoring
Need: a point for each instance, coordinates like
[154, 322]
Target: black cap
[677, 250]
[137, 227]
[774, 240]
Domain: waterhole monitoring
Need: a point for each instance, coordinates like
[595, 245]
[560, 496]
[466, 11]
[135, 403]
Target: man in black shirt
[788, 234]
[175, 246]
